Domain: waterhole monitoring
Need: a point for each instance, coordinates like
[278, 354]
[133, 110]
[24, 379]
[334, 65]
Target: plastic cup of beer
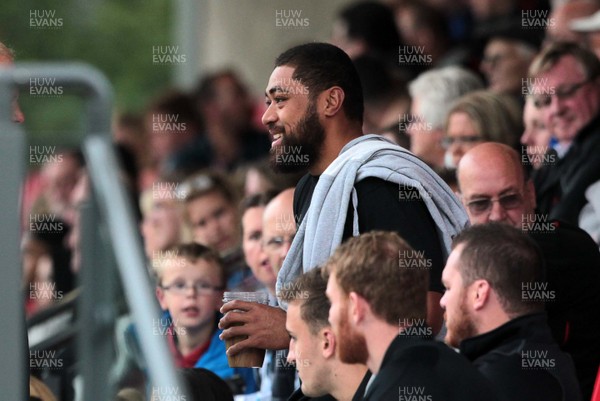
[250, 357]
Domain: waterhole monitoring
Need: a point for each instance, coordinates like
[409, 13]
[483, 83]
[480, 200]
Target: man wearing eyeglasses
[565, 83]
[494, 187]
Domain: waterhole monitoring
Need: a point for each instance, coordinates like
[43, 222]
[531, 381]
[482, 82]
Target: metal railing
[108, 231]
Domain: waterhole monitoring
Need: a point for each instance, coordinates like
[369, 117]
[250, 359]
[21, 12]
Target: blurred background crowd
[439, 77]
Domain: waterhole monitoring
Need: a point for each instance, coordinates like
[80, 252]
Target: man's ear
[480, 294]
[357, 308]
[331, 101]
[328, 343]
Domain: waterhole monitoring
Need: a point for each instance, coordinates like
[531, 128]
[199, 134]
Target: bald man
[494, 187]
[279, 228]
[265, 325]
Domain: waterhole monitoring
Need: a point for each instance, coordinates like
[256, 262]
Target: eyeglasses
[201, 288]
[275, 243]
[483, 205]
[450, 140]
[561, 93]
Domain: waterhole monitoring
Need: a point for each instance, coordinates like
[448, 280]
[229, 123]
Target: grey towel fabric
[322, 228]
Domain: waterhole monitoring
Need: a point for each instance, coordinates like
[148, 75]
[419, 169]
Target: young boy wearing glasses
[190, 282]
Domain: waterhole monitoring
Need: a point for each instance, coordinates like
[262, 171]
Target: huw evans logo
[414, 328]
[45, 359]
[167, 123]
[45, 223]
[168, 191]
[44, 291]
[168, 55]
[536, 19]
[537, 359]
[291, 19]
[44, 87]
[536, 87]
[44, 19]
[291, 155]
[413, 259]
[538, 155]
[537, 292]
[413, 55]
[44, 154]
[539, 223]
[413, 393]
[160, 393]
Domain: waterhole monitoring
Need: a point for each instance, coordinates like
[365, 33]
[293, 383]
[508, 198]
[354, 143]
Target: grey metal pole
[117, 213]
[14, 379]
[110, 203]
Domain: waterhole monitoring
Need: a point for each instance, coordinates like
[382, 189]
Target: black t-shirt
[382, 205]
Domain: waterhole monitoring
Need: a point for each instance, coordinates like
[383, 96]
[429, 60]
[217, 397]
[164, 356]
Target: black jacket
[573, 275]
[415, 368]
[560, 187]
[523, 362]
[360, 391]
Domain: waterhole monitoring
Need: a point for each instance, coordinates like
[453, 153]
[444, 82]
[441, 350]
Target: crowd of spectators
[484, 113]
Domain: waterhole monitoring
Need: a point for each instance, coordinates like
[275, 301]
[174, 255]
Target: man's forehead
[566, 69]
[280, 76]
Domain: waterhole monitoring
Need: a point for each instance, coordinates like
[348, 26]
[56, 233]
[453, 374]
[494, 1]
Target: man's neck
[346, 379]
[492, 322]
[336, 137]
[378, 338]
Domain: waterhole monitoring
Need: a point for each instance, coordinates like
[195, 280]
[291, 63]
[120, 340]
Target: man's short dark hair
[309, 289]
[507, 259]
[321, 66]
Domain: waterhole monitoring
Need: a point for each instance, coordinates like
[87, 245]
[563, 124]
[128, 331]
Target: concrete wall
[248, 34]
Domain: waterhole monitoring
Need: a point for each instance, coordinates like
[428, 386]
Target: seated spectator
[258, 177]
[386, 100]
[378, 298]
[566, 86]
[506, 58]
[210, 211]
[129, 131]
[425, 33]
[190, 282]
[59, 177]
[172, 128]
[494, 187]
[366, 28]
[252, 209]
[278, 230]
[477, 117]
[162, 224]
[536, 137]
[313, 346]
[495, 315]
[229, 138]
[432, 94]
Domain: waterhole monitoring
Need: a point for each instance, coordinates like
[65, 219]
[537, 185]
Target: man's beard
[301, 147]
[352, 347]
[461, 327]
